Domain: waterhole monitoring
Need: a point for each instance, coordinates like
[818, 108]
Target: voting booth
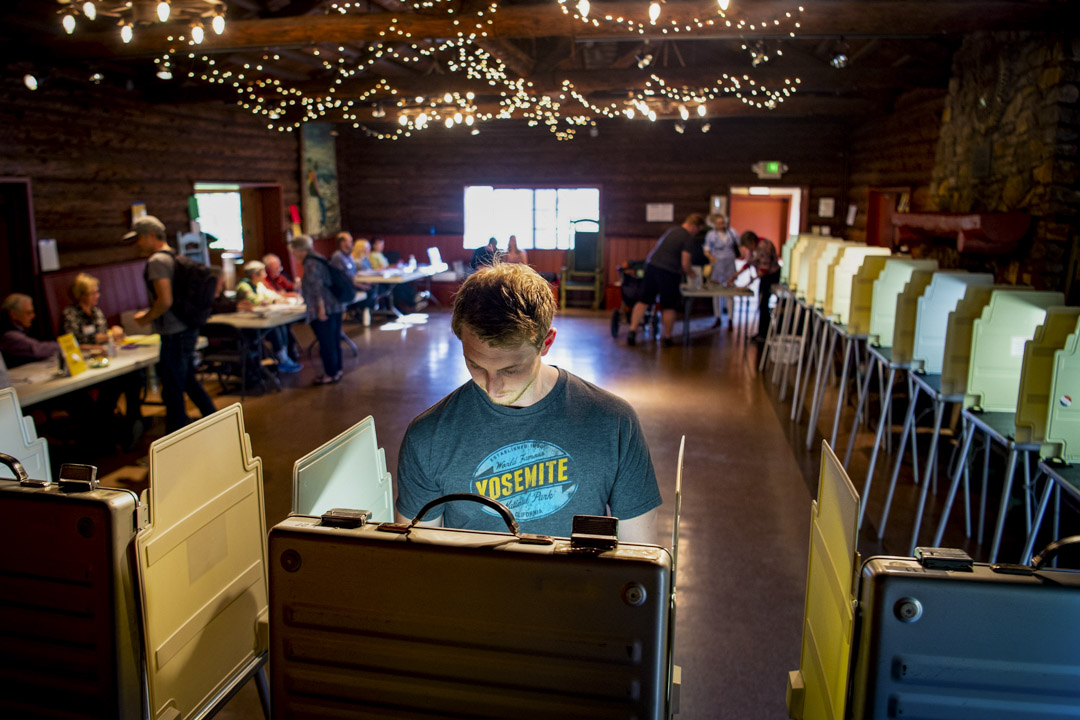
[817, 279]
[862, 294]
[887, 288]
[937, 302]
[1037, 373]
[907, 305]
[1063, 421]
[18, 438]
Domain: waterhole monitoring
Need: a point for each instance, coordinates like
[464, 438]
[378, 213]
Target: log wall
[91, 151]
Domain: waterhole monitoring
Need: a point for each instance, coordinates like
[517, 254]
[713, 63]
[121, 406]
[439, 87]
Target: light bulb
[469, 120]
[163, 10]
[457, 117]
[583, 8]
[89, 10]
[701, 110]
[654, 11]
[68, 21]
[684, 113]
[403, 119]
[218, 23]
[449, 122]
[126, 33]
[724, 4]
[629, 113]
[680, 128]
[705, 128]
[652, 116]
[164, 72]
[197, 33]
[448, 98]
[30, 81]
[421, 119]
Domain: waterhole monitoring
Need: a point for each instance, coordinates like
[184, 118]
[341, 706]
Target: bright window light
[219, 215]
[541, 218]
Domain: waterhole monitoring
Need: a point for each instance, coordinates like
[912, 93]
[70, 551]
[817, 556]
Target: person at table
[378, 258]
[514, 254]
[276, 279]
[323, 309]
[764, 260]
[176, 364]
[87, 323]
[84, 319]
[722, 248]
[361, 255]
[253, 290]
[225, 302]
[342, 257]
[664, 266]
[17, 346]
[485, 255]
[543, 442]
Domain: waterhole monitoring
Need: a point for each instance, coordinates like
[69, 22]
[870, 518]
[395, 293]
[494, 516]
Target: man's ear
[548, 339]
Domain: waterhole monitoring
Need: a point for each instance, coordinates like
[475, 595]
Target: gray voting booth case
[384, 620]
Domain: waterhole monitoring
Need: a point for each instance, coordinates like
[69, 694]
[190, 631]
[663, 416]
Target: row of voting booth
[1005, 355]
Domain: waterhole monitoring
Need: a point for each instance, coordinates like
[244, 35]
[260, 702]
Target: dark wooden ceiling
[306, 59]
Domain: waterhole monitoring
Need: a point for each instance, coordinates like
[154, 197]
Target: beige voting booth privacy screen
[202, 565]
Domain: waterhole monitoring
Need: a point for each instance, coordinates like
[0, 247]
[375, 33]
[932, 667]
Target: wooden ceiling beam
[850, 18]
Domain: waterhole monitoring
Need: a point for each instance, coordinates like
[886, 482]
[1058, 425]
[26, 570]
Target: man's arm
[20, 345]
[163, 300]
[640, 529]
[686, 266]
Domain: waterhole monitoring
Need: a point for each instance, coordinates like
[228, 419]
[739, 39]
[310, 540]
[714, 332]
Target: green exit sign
[772, 167]
[769, 169]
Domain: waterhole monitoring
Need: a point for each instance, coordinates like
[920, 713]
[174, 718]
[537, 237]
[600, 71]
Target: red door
[766, 216]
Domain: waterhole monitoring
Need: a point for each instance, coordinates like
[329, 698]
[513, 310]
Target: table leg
[811, 365]
[864, 390]
[1003, 509]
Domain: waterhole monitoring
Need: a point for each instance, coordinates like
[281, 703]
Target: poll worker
[176, 366]
[764, 260]
[84, 319]
[16, 345]
[666, 263]
[276, 279]
[543, 442]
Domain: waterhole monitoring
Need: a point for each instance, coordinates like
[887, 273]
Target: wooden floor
[748, 482]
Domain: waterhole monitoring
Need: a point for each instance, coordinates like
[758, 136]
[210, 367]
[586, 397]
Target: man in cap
[176, 365]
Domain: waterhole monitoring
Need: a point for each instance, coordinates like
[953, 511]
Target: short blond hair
[83, 285]
[506, 305]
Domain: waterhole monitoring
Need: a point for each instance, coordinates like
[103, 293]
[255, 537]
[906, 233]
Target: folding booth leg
[886, 398]
[931, 465]
[264, 691]
[1003, 509]
[800, 381]
[985, 484]
[787, 366]
[819, 382]
[968, 432]
[864, 390]
[1033, 531]
[909, 422]
[841, 391]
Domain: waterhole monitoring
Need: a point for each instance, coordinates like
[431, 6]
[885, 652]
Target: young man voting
[543, 442]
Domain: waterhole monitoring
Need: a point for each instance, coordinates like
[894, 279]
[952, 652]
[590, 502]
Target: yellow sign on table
[73, 356]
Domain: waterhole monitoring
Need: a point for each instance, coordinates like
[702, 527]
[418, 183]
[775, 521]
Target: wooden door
[765, 216]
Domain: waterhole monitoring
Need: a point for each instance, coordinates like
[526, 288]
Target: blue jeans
[328, 332]
[176, 368]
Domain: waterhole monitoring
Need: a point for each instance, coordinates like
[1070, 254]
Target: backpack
[341, 285]
[194, 288]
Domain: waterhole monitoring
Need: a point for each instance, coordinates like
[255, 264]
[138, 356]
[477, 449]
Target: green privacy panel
[1063, 420]
[907, 305]
[998, 337]
[932, 319]
[849, 262]
[1037, 372]
[887, 289]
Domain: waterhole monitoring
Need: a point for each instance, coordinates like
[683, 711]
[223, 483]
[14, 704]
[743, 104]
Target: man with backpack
[176, 364]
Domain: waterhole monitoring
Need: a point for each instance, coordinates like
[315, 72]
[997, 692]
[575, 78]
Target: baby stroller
[631, 276]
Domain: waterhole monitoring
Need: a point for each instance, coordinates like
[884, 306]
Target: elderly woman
[323, 309]
[84, 319]
[87, 323]
[722, 248]
[253, 289]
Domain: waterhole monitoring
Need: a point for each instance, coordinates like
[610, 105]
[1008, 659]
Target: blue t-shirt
[579, 451]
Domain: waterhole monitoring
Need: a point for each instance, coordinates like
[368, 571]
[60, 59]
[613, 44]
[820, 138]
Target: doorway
[882, 204]
[770, 212]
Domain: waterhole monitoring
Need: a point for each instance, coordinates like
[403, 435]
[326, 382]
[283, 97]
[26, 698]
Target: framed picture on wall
[826, 207]
[903, 202]
[718, 205]
[659, 212]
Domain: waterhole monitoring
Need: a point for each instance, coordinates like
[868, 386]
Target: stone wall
[1008, 143]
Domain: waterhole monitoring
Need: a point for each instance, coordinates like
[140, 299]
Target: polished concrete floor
[747, 487]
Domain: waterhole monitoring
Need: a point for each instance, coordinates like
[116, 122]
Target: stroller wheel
[615, 322]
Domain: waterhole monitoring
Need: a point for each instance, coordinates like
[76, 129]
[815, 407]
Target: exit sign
[769, 169]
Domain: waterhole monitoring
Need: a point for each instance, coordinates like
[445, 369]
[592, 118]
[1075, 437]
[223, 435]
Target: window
[219, 215]
[541, 218]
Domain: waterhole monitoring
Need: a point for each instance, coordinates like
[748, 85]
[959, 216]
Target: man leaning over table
[543, 442]
[176, 364]
[17, 346]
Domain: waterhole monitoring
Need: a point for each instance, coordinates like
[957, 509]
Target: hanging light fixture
[839, 59]
[165, 71]
[30, 81]
[684, 113]
[163, 10]
[724, 5]
[197, 33]
[89, 9]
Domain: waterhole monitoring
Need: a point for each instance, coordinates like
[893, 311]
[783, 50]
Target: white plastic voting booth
[945, 291]
[887, 288]
[18, 438]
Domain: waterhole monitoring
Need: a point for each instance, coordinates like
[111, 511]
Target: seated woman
[378, 260]
[87, 323]
[364, 259]
[253, 289]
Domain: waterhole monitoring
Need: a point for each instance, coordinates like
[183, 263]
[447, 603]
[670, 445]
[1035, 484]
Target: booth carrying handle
[1051, 551]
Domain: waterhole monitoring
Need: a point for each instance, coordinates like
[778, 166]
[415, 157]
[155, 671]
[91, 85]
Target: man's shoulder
[585, 393]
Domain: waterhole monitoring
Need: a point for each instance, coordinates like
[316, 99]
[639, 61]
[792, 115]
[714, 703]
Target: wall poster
[322, 213]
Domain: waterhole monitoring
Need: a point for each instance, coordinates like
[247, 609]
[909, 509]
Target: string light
[89, 10]
[68, 21]
[163, 10]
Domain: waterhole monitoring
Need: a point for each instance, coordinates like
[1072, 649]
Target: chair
[583, 272]
[229, 354]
